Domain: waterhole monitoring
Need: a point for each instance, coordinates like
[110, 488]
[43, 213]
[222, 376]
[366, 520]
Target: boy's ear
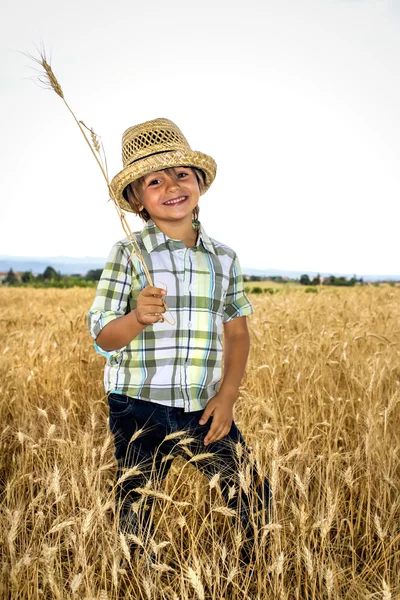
[132, 200]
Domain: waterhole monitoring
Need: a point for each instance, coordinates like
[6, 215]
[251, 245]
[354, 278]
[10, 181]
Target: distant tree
[27, 277]
[50, 273]
[304, 280]
[341, 281]
[94, 274]
[10, 278]
[331, 280]
[316, 280]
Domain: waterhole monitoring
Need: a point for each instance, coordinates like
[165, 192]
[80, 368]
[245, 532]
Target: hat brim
[158, 162]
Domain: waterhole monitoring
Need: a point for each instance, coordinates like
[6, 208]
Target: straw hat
[153, 146]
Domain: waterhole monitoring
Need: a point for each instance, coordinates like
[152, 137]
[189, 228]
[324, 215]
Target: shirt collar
[153, 237]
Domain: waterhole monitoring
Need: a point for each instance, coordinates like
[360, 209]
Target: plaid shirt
[175, 365]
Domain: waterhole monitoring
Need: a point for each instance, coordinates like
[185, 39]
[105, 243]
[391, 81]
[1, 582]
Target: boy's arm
[111, 324]
[236, 351]
[121, 331]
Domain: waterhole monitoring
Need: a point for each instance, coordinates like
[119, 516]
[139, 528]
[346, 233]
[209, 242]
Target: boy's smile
[176, 201]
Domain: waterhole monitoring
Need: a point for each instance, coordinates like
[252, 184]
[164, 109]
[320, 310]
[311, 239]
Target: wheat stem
[50, 80]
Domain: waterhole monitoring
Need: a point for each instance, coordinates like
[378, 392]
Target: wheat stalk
[162, 568]
[186, 441]
[174, 435]
[199, 457]
[128, 474]
[124, 546]
[161, 496]
[196, 583]
[48, 80]
[224, 510]
[75, 583]
[214, 480]
[308, 561]
[329, 581]
[386, 593]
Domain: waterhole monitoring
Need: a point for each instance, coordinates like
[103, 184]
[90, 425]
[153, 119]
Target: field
[319, 407]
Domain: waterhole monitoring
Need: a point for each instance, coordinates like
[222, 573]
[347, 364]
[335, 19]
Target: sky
[296, 100]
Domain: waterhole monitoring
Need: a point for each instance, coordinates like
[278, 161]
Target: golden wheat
[319, 408]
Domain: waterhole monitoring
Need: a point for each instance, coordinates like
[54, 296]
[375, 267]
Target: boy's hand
[220, 408]
[150, 307]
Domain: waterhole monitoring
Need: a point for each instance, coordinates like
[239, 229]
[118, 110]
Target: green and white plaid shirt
[175, 365]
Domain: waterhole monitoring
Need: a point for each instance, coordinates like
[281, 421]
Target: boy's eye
[182, 174]
[154, 182]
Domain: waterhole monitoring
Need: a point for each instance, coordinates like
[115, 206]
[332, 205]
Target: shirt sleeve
[113, 290]
[237, 303]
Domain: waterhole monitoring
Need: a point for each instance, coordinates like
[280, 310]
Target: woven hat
[153, 146]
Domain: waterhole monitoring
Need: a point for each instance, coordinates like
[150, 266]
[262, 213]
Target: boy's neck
[179, 231]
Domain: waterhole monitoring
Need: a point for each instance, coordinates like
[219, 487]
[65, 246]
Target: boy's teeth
[175, 201]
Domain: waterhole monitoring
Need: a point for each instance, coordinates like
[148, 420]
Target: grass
[319, 407]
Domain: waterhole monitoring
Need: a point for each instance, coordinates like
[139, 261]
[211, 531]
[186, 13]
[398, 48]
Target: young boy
[163, 371]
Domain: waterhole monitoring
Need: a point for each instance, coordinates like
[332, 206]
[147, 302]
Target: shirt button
[189, 324]
[190, 287]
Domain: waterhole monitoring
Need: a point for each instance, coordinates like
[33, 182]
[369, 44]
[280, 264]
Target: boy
[163, 371]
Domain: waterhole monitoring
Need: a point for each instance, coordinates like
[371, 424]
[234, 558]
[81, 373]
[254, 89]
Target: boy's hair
[136, 187]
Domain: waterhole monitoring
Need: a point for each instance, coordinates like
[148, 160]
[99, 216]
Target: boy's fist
[150, 307]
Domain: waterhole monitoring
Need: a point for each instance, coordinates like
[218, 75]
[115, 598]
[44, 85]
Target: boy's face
[169, 195]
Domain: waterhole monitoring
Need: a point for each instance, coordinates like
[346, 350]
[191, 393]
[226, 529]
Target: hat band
[148, 156]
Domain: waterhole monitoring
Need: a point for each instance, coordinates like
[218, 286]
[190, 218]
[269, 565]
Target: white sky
[297, 101]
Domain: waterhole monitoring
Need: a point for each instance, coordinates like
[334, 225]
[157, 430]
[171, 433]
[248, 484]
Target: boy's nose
[172, 183]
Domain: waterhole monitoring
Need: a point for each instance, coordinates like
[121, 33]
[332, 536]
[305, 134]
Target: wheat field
[319, 407]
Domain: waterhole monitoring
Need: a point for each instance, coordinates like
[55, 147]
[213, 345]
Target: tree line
[52, 278]
[331, 280]
[306, 280]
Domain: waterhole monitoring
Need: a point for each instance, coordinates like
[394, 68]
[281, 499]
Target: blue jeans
[127, 415]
